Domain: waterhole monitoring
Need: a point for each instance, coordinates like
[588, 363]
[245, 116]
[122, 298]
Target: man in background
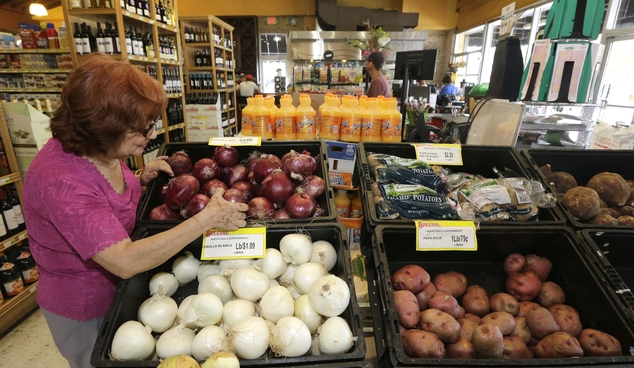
[248, 88]
[379, 85]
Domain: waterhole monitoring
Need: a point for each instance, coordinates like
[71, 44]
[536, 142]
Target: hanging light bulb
[38, 9]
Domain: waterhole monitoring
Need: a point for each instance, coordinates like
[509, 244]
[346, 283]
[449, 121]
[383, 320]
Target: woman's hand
[221, 214]
[151, 170]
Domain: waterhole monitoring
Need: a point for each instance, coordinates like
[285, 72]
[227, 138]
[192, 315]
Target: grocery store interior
[458, 170]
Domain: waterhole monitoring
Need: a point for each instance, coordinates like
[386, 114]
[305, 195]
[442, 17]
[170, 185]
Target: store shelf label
[248, 242]
[5, 180]
[439, 154]
[235, 141]
[434, 235]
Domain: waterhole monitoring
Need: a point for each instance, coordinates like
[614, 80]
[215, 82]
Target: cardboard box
[341, 157]
[24, 156]
[27, 126]
[203, 122]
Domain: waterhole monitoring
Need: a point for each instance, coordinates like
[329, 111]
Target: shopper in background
[80, 200]
[449, 88]
[248, 88]
[379, 85]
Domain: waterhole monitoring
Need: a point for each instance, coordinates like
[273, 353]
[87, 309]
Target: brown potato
[503, 302]
[630, 201]
[602, 204]
[521, 330]
[504, 321]
[540, 265]
[558, 345]
[523, 286]
[476, 301]
[440, 323]
[446, 303]
[461, 349]
[597, 343]
[541, 323]
[422, 344]
[462, 312]
[610, 212]
[630, 183]
[551, 294]
[452, 283]
[411, 277]
[407, 308]
[515, 348]
[582, 202]
[604, 219]
[402, 329]
[562, 181]
[567, 318]
[610, 187]
[473, 318]
[546, 170]
[424, 296]
[625, 220]
[526, 307]
[514, 262]
[488, 341]
[466, 328]
[626, 211]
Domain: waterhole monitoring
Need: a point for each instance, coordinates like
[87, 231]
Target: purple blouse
[72, 213]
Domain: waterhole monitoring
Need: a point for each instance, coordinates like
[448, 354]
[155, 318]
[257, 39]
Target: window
[468, 49]
[272, 60]
[273, 44]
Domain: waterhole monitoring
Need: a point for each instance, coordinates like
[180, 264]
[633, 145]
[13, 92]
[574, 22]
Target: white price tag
[439, 154]
[235, 141]
[249, 242]
[506, 21]
[5, 180]
[446, 235]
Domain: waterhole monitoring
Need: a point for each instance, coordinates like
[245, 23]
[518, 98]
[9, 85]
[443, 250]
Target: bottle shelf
[8, 243]
[149, 21]
[17, 307]
[22, 71]
[169, 62]
[175, 126]
[143, 59]
[11, 178]
[34, 51]
[197, 44]
[91, 11]
[174, 95]
[28, 90]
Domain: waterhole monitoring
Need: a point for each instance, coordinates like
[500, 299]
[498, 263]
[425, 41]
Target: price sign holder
[434, 235]
[248, 242]
[439, 154]
[235, 141]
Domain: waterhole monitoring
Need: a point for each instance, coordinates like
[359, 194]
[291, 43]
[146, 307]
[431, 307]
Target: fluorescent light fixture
[38, 9]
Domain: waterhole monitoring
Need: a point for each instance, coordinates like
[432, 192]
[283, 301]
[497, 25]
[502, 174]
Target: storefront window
[272, 60]
[625, 16]
[618, 79]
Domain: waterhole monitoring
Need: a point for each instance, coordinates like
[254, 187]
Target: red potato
[558, 345]
[567, 318]
[442, 324]
[473, 318]
[515, 348]
[407, 308]
[446, 303]
[597, 343]
[503, 302]
[488, 341]
[551, 294]
[466, 328]
[521, 330]
[540, 265]
[461, 349]
[424, 296]
[526, 307]
[514, 262]
[541, 323]
[504, 321]
[422, 344]
[452, 283]
[462, 312]
[476, 301]
[524, 286]
[411, 277]
[401, 329]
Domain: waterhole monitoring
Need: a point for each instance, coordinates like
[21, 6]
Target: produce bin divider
[377, 306]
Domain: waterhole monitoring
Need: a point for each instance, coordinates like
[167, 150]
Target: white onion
[158, 312]
[294, 291]
[250, 337]
[181, 312]
[185, 268]
[204, 310]
[290, 337]
[306, 274]
[329, 295]
[207, 268]
[132, 341]
[175, 341]
[335, 336]
[288, 275]
[324, 253]
[235, 311]
[273, 265]
[218, 285]
[276, 303]
[273, 283]
[227, 266]
[314, 346]
[296, 248]
[208, 341]
[306, 312]
[163, 283]
[249, 284]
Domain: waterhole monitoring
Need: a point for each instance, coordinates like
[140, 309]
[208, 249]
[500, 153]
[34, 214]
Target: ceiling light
[38, 9]
[277, 39]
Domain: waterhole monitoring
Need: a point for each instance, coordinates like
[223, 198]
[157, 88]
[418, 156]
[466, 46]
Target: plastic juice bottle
[382, 103]
[327, 97]
[371, 124]
[356, 206]
[269, 125]
[330, 123]
[342, 203]
[351, 122]
[363, 102]
[392, 124]
[285, 124]
[246, 117]
[259, 116]
[306, 116]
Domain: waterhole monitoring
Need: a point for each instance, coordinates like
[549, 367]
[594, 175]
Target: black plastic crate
[475, 160]
[583, 165]
[196, 151]
[585, 290]
[134, 291]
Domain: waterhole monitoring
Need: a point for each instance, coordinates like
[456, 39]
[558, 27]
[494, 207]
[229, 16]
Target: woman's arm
[151, 170]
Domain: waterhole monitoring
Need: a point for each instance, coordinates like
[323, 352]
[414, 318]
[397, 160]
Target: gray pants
[74, 340]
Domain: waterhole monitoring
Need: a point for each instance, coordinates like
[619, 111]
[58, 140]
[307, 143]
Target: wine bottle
[14, 201]
[85, 39]
[138, 8]
[162, 9]
[128, 42]
[146, 8]
[116, 42]
[8, 214]
[79, 48]
[75, 4]
[101, 44]
[92, 39]
[87, 4]
[131, 6]
[107, 39]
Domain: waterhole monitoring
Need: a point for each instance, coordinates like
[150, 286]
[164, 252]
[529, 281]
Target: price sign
[439, 154]
[5, 180]
[446, 235]
[506, 22]
[249, 242]
[236, 141]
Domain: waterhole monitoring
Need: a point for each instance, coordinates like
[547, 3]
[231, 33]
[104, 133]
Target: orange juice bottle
[269, 125]
[382, 103]
[356, 206]
[392, 122]
[372, 119]
[246, 128]
[342, 203]
[351, 122]
[285, 124]
[306, 116]
[363, 102]
[327, 97]
[330, 122]
[260, 116]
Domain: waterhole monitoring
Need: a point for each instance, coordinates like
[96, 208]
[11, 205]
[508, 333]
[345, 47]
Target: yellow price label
[446, 235]
[439, 154]
[248, 242]
[235, 141]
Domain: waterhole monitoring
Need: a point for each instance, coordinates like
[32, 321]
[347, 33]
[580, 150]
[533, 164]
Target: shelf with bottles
[22, 71]
[17, 307]
[34, 51]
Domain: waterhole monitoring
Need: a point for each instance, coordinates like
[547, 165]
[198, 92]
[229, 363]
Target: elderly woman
[80, 200]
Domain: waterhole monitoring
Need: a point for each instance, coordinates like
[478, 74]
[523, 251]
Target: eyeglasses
[147, 131]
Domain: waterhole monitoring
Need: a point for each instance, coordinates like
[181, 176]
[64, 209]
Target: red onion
[281, 213]
[180, 162]
[209, 187]
[277, 187]
[253, 158]
[226, 156]
[299, 165]
[180, 190]
[260, 208]
[206, 169]
[245, 187]
[264, 166]
[195, 205]
[318, 210]
[235, 174]
[300, 205]
[164, 213]
[163, 191]
[313, 185]
[235, 196]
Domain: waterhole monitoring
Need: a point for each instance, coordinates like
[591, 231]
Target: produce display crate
[196, 151]
[134, 291]
[613, 251]
[585, 290]
[583, 165]
[475, 159]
